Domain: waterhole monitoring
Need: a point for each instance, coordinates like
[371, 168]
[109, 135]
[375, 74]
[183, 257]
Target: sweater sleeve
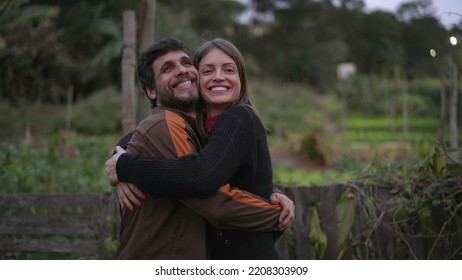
[195, 174]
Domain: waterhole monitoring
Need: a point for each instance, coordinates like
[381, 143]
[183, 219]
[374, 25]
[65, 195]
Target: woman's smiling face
[219, 81]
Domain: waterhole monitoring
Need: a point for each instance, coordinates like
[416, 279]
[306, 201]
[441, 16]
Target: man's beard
[168, 99]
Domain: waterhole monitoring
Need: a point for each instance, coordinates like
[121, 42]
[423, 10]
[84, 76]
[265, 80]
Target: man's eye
[186, 62]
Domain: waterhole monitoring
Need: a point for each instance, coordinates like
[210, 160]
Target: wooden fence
[397, 220]
[342, 221]
[83, 224]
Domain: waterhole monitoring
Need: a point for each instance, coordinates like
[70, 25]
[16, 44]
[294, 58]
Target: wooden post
[69, 102]
[145, 39]
[443, 108]
[128, 71]
[405, 107]
[454, 154]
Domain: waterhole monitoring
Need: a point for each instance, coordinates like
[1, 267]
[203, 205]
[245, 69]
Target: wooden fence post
[145, 39]
[128, 72]
[304, 200]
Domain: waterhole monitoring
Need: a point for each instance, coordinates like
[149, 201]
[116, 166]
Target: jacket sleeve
[201, 173]
[232, 208]
[123, 142]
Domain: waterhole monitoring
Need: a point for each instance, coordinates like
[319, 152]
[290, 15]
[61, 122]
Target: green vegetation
[389, 136]
[311, 127]
[286, 107]
[297, 177]
[387, 123]
[77, 166]
[99, 114]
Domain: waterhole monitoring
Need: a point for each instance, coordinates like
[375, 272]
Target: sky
[441, 6]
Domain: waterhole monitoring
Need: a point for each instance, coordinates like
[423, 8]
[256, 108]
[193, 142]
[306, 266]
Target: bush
[286, 107]
[313, 148]
[97, 115]
[373, 96]
[17, 120]
[12, 123]
[75, 167]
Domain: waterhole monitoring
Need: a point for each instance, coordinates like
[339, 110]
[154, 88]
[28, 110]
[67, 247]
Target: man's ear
[151, 93]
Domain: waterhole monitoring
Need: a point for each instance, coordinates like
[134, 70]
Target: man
[174, 228]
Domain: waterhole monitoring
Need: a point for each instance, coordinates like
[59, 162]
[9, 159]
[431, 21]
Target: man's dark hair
[147, 58]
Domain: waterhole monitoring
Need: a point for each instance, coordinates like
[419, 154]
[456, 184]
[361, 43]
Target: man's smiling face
[176, 81]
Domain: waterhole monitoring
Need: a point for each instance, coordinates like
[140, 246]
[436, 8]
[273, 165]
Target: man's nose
[181, 69]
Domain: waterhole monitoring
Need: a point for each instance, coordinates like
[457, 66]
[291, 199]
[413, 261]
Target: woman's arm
[194, 174]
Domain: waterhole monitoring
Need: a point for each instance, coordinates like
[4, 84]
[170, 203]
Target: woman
[236, 153]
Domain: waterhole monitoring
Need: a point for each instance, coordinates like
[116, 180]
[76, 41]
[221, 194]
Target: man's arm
[123, 142]
[127, 193]
[232, 208]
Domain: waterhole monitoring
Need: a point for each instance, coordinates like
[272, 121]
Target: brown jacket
[174, 228]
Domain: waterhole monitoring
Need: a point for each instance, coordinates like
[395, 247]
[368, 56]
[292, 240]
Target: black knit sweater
[236, 153]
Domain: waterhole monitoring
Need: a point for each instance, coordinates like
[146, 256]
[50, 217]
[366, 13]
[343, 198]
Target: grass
[387, 123]
[299, 177]
[389, 136]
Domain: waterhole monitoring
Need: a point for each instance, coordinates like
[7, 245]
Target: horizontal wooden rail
[43, 200]
[58, 223]
[86, 248]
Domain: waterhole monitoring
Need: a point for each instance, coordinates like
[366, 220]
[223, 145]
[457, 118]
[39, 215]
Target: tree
[415, 9]
[30, 50]
[419, 36]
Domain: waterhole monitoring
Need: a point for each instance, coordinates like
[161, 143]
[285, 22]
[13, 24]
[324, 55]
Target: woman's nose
[218, 76]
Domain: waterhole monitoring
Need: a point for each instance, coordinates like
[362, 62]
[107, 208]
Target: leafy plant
[317, 237]
[345, 211]
[97, 115]
[77, 166]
